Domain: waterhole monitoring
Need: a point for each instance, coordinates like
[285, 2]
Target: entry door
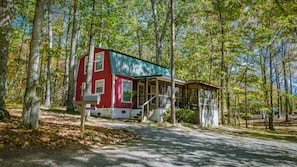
[140, 94]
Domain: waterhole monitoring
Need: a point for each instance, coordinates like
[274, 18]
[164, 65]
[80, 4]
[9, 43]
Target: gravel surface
[162, 146]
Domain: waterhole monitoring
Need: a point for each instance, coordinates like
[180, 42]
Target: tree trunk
[159, 36]
[47, 103]
[71, 84]
[286, 83]
[271, 115]
[278, 86]
[222, 80]
[290, 88]
[245, 97]
[66, 67]
[139, 44]
[172, 64]
[88, 89]
[101, 24]
[31, 100]
[228, 104]
[5, 19]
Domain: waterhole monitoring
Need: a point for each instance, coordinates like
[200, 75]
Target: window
[126, 91]
[99, 86]
[99, 61]
[86, 65]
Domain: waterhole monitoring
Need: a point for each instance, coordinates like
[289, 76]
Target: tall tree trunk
[271, 115]
[71, 84]
[66, 67]
[228, 103]
[278, 86]
[222, 80]
[172, 63]
[31, 100]
[47, 103]
[286, 83]
[245, 97]
[88, 89]
[292, 108]
[159, 36]
[5, 19]
[139, 43]
[101, 24]
[263, 63]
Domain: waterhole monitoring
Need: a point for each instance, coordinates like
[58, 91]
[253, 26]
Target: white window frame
[86, 64]
[103, 86]
[122, 99]
[96, 61]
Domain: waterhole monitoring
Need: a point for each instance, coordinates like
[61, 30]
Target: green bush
[182, 115]
[185, 115]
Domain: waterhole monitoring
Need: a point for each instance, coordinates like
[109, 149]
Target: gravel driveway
[176, 147]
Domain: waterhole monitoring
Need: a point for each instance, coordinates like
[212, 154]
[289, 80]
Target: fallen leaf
[45, 139]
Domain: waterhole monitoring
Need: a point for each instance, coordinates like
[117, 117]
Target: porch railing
[144, 104]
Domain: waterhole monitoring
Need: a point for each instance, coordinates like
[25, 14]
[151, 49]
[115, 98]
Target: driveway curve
[162, 146]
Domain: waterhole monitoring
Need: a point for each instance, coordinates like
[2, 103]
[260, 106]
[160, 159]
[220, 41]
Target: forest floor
[58, 131]
[257, 127]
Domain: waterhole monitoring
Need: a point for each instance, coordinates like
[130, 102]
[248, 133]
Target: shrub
[182, 115]
[185, 115]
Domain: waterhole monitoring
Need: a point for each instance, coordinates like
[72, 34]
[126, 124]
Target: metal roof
[126, 65]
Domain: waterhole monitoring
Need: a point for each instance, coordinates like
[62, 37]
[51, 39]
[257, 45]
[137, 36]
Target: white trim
[102, 52]
[138, 94]
[112, 91]
[122, 99]
[100, 80]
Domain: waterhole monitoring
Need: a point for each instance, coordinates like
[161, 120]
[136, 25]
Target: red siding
[105, 99]
[118, 92]
[81, 77]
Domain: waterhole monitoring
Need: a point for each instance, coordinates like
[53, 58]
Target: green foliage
[251, 31]
[182, 115]
[185, 115]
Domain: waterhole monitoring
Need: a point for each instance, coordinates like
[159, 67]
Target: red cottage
[130, 87]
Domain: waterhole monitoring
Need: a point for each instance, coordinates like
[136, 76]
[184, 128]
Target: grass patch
[260, 133]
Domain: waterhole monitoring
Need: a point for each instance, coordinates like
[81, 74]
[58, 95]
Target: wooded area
[247, 47]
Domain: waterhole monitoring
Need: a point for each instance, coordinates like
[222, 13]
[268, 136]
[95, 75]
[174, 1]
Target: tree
[159, 35]
[31, 100]
[47, 103]
[71, 89]
[5, 19]
[172, 63]
[88, 89]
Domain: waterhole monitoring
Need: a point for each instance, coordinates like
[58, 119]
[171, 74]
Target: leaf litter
[57, 131]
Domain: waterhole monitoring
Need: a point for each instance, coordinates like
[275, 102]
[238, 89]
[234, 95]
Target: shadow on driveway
[175, 147]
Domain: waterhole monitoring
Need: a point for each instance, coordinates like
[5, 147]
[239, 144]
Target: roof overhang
[162, 78]
[197, 83]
